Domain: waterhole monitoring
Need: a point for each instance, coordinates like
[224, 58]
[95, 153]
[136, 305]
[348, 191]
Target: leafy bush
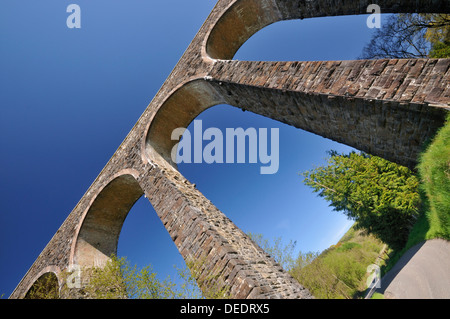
[381, 196]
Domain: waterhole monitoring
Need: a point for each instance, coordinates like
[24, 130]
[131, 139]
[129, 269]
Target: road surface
[423, 272]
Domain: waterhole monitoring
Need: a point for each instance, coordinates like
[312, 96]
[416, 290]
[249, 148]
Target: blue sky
[68, 97]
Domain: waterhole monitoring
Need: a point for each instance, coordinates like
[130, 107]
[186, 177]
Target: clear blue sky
[68, 97]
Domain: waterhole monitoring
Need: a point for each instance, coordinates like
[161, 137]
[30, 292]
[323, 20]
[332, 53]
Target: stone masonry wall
[374, 106]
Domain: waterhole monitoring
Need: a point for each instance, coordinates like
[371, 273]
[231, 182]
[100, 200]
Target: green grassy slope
[340, 272]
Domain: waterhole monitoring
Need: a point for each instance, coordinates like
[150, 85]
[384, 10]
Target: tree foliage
[117, 279]
[46, 287]
[406, 36]
[338, 272]
[438, 34]
[380, 195]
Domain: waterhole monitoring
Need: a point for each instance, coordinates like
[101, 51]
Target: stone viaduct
[384, 107]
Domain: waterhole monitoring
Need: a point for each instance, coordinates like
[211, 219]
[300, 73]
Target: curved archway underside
[384, 107]
[99, 234]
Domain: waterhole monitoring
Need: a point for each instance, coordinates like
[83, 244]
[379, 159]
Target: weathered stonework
[387, 108]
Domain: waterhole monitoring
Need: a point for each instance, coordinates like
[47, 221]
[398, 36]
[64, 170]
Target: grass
[434, 173]
[339, 272]
[377, 295]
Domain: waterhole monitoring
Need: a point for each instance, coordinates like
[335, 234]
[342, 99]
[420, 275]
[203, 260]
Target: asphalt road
[423, 272]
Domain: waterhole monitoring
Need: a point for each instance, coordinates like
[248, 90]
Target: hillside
[340, 272]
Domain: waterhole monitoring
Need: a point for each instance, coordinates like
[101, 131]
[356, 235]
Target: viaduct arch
[384, 107]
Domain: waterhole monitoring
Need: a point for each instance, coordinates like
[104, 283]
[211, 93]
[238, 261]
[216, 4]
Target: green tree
[438, 34]
[381, 196]
[46, 287]
[410, 36]
[119, 280]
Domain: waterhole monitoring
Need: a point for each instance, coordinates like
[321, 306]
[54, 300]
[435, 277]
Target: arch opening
[45, 287]
[108, 229]
[180, 108]
[246, 17]
[99, 233]
[335, 38]
[144, 241]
